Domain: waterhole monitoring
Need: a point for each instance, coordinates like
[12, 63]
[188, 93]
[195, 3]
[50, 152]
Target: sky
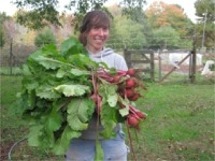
[187, 5]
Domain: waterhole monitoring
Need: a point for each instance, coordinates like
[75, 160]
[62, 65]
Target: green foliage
[56, 98]
[133, 9]
[52, 96]
[3, 17]
[42, 13]
[206, 13]
[2, 40]
[44, 38]
[83, 7]
[205, 7]
[165, 37]
[161, 15]
[134, 37]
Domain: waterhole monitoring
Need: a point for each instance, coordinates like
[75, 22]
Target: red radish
[132, 121]
[134, 97]
[131, 72]
[129, 92]
[121, 72]
[104, 75]
[116, 78]
[130, 83]
[141, 114]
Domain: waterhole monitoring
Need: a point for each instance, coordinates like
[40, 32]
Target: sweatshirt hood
[105, 52]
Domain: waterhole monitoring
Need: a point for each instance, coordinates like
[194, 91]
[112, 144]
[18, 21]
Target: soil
[5, 148]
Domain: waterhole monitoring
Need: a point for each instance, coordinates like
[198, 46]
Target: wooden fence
[141, 59]
[145, 61]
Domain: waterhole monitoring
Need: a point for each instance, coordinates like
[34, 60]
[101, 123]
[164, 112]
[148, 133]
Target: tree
[44, 12]
[134, 9]
[205, 27]
[127, 35]
[162, 15]
[2, 40]
[165, 37]
[205, 6]
[125, 32]
[3, 18]
[45, 37]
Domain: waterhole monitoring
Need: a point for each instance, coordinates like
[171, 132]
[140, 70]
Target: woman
[94, 33]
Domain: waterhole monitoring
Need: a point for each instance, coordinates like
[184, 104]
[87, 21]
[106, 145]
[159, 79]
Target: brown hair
[93, 19]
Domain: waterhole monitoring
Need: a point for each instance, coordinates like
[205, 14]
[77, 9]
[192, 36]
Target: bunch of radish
[134, 117]
[128, 85]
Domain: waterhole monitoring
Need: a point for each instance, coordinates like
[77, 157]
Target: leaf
[48, 63]
[32, 85]
[108, 120]
[49, 50]
[34, 135]
[63, 142]
[60, 73]
[79, 72]
[112, 100]
[72, 90]
[48, 139]
[75, 123]
[109, 94]
[40, 136]
[124, 111]
[25, 70]
[79, 112]
[82, 61]
[48, 57]
[99, 151]
[71, 46]
[47, 92]
[53, 120]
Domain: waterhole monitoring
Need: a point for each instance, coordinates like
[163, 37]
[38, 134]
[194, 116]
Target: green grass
[10, 71]
[180, 119]
[179, 126]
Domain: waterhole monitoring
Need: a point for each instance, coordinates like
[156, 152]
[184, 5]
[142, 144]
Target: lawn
[179, 126]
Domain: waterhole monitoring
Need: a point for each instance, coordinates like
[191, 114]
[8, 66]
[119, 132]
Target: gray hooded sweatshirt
[112, 59]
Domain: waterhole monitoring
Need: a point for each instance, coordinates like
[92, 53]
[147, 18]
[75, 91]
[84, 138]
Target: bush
[45, 37]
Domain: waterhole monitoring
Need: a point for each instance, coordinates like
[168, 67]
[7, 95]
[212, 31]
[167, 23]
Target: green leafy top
[61, 89]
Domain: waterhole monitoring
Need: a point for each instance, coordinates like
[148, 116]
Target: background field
[179, 126]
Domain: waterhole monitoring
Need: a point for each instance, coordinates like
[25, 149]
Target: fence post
[193, 67]
[152, 71]
[127, 56]
[159, 64]
[193, 63]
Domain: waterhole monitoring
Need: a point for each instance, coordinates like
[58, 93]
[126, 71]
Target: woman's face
[96, 38]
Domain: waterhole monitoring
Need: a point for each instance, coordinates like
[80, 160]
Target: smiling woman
[94, 33]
